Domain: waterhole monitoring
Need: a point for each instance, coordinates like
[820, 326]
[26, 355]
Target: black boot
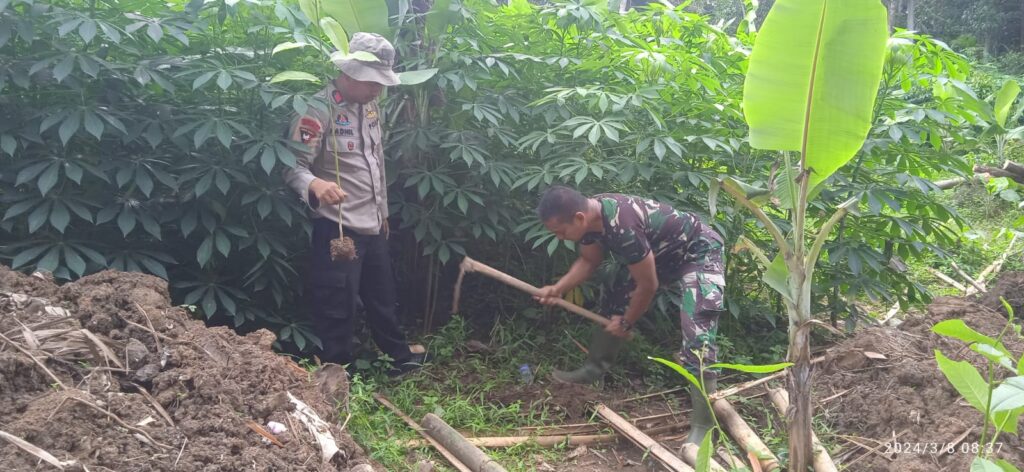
[602, 351]
[701, 420]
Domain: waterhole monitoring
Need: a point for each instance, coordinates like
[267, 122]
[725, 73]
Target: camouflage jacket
[635, 226]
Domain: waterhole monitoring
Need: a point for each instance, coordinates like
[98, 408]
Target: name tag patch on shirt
[344, 132]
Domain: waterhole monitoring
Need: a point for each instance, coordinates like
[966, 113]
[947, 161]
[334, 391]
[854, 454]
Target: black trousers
[333, 289]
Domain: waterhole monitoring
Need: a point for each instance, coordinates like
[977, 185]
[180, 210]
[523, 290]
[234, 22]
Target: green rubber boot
[602, 351]
[701, 420]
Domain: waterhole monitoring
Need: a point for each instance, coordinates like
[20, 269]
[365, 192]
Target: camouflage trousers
[698, 296]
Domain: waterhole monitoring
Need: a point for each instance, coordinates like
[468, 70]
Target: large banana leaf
[812, 80]
[1004, 99]
[368, 16]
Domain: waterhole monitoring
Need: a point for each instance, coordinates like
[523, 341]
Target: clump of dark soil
[1010, 287]
[343, 249]
[906, 395]
[139, 385]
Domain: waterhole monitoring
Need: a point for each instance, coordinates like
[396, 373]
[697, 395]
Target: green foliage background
[148, 136]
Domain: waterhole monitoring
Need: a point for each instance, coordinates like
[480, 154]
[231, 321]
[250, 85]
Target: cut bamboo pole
[561, 429]
[663, 455]
[554, 439]
[822, 461]
[453, 441]
[689, 453]
[729, 419]
[975, 284]
[893, 311]
[454, 461]
[470, 265]
[731, 461]
[945, 278]
[955, 181]
[998, 263]
[542, 441]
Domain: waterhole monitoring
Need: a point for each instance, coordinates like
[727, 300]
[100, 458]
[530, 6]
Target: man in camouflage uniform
[662, 247]
[340, 175]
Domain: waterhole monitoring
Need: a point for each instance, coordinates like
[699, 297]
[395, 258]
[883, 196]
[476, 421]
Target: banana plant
[335, 18]
[1000, 117]
[810, 89]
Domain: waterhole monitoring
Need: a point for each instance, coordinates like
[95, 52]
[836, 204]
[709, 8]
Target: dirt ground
[905, 395]
[132, 383]
[868, 400]
[139, 385]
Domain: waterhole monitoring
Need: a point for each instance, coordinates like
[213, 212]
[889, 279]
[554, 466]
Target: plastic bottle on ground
[526, 374]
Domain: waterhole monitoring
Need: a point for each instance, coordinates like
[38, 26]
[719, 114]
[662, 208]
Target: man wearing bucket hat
[340, 176]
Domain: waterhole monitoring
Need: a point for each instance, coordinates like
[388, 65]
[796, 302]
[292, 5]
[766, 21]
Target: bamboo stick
[956, 181]
[689, 454]
[470, 265]
[945, 278]
[893, 311]
[542, 441]
[822, 461]
[256, 428]
[974, 283]
[554, 439]
[564, 428]
[663, 455]
[453, 441]
[998, 263]
[731, 461]
[454, 461]
[744, 435]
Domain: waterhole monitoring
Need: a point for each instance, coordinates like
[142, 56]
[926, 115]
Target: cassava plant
[811, 85]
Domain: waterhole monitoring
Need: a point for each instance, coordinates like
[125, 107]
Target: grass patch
[456, 387]
[991, 222]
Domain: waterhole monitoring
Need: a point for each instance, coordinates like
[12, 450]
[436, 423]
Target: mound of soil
[136, 384]
[907, 396]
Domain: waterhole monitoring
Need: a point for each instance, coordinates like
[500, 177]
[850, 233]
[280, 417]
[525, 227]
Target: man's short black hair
[561, 202]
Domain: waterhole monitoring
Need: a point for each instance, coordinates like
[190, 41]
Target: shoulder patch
[310, 123]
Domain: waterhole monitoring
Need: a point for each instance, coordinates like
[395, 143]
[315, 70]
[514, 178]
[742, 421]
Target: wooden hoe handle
[469, 265]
